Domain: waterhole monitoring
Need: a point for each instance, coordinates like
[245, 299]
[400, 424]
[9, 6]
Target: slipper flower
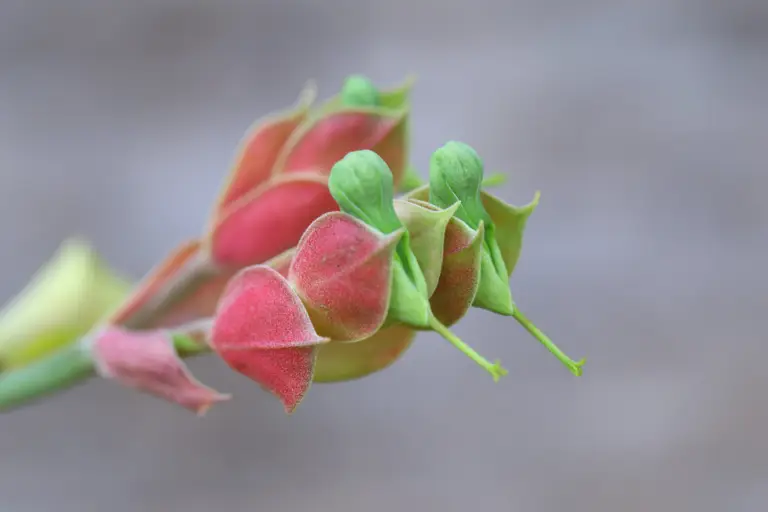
[356, 271]
[456, 174]
[339, 362]
[270, 198]
[279, 181]
[61, 303]
[262, 330]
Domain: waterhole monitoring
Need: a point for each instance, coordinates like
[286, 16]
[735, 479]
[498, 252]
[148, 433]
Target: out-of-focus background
[644, 125]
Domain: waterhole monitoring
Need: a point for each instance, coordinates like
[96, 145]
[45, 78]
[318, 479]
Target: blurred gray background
[643, 124]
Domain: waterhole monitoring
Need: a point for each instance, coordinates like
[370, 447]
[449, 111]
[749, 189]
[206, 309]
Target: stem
[495, 368]
[73, 363]
[573, 366]
[61, 370]
[186, 339]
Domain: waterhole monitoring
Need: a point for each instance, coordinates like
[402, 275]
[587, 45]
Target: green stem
[495, 368]
[56, 372]
[573, 366]
[73, 364]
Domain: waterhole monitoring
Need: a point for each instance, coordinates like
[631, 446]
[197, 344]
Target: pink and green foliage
[310, 269]
[277, 187]
[280, 177]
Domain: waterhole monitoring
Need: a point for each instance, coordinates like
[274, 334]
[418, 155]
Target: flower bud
[359, 91]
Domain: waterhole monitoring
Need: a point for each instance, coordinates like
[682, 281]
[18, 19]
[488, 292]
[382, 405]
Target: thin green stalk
[495, 368]
[573, 366]
[59, 371]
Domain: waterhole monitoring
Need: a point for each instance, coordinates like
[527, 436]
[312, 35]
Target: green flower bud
[361, 183]
[358, 91]
[456, 174]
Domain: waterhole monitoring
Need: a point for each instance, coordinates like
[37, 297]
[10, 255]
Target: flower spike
[362, 185]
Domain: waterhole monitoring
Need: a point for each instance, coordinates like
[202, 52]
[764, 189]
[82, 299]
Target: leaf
[324, 141]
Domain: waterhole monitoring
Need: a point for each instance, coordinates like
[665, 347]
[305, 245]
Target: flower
[277, 187]
[279, 181]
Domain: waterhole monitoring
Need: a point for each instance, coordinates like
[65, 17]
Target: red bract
[319, 145]
[460, 274]
[342, 271]
[146, 361]
[262, 330]
[340, 361]
[269, 220]
[260, 148]
[278, 184]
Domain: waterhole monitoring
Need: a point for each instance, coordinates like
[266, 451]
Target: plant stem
[61, 370]
[573, 366]
[495, 368]
[73, 364]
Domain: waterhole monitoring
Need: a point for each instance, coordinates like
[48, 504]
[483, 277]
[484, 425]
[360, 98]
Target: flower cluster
[418, 263]
[311, 269]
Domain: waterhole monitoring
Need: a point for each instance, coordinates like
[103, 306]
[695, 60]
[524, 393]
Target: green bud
[456, 174]
[361, 183]
[358, 91]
